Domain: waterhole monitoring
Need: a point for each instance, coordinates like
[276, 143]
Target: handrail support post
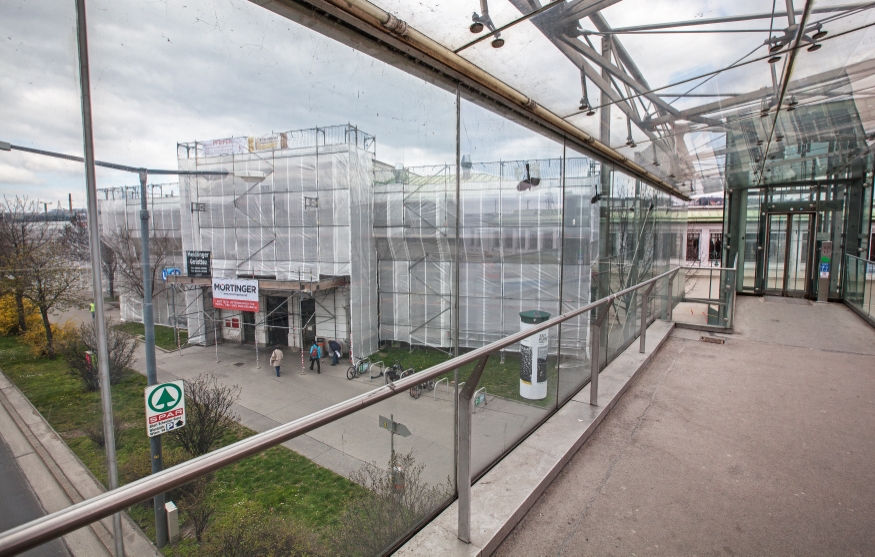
[466, 396]
[594, 356]
[645, 299]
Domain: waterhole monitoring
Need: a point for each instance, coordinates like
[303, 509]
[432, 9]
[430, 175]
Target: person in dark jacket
[316, 356]
[334, 349]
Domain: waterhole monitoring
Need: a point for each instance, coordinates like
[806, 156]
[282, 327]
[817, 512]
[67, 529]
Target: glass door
[776, 256]
[789, 254]
[798, 250]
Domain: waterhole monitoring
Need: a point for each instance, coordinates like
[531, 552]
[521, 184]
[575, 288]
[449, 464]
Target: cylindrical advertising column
[533, 356]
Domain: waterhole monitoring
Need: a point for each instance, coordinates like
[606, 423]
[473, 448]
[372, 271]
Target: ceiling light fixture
[481, 21]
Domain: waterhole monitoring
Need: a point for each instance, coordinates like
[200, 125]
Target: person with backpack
[334, 349]
[276, 359]
[316, 356]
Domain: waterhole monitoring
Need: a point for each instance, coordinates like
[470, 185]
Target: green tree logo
[166, 397]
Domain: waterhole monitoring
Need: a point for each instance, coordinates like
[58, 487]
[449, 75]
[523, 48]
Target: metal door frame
[812, 217]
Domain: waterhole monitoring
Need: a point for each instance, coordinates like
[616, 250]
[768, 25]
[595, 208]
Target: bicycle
[394, 373]
[361, 367]
[416, 390]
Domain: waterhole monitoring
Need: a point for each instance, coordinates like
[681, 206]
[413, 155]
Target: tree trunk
[19, 308]
[110, 278]
[50, 348]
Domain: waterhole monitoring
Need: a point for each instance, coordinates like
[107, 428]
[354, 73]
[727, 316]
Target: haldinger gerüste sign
[165, 407]
[239, 294]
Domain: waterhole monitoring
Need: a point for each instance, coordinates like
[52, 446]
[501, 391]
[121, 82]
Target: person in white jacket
[276, 359]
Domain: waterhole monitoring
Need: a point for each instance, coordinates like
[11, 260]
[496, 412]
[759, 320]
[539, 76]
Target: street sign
[395, 427]
[165, 407]
[169, 271]
[197, 263]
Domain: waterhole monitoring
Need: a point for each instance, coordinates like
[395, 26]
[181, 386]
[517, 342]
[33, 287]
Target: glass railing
[857, 292]
[707, 298]
[401, 452]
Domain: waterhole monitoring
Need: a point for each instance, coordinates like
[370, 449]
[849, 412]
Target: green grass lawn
[500, 379]
[165, 337]
[278, 481]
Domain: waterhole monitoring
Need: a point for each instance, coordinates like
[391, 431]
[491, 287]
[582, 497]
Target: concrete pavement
[760, 446]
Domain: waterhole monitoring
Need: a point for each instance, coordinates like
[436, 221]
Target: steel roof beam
[749, 17]
[866, 68]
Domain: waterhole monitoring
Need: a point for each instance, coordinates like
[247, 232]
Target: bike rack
[434, 395]
[474, 408]
[372, 366]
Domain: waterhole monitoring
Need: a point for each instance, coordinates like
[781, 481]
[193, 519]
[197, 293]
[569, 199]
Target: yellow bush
[35, 336]
[9, 315]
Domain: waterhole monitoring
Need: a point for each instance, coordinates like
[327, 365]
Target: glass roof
[707, 94]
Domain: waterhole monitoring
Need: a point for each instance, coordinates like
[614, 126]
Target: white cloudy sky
[168, 71]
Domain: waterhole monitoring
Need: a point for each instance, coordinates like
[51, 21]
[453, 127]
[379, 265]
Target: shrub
[35, 336]
[120, 346]
[396, 502]
[246, 531]
[95, 432]
[9, 314]
[208, 415]
[197, 505]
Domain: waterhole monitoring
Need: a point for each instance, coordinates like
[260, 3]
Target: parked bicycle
[362, 365]
[416, 390]
[394, 373]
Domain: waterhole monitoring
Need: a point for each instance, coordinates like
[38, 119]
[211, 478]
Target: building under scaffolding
[345, 247]
[295, 213]
[511, 239]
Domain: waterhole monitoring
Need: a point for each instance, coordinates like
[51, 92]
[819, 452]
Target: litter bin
[533, 356]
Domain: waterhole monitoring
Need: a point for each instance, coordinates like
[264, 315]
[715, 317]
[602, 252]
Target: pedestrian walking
[334, 349]
[276, 359]
[316, 356]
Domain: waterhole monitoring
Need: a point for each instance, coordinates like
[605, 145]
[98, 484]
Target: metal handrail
[85, 512]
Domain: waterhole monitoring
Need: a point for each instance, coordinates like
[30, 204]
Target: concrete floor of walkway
[763, 445]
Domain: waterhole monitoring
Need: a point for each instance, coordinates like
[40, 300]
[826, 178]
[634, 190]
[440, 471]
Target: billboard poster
[228, 146]
[239, 294]
[269, 142]
[197, 263]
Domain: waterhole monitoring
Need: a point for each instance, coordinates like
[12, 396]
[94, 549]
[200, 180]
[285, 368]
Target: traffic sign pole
[151, 368]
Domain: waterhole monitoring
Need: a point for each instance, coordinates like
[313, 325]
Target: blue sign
[168, 271]
[824, 267]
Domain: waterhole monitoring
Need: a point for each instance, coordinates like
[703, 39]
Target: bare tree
[208, 414]
[20, 233]
[35, 265]
[120, 346]
[128, 260]
[75, 239]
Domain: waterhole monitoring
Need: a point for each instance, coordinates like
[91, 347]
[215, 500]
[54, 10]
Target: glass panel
[777, 252]
[748, 261]
[510, 230]
[580, 242]
[798, 257]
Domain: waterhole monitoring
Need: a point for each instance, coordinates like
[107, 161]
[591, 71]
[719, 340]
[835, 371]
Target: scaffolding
[513, 249]
[294, 206]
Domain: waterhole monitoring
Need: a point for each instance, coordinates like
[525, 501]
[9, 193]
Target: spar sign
[239, 294]
[165, 407]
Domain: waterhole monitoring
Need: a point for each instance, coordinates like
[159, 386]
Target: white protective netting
[294, 206]
[511, 241]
